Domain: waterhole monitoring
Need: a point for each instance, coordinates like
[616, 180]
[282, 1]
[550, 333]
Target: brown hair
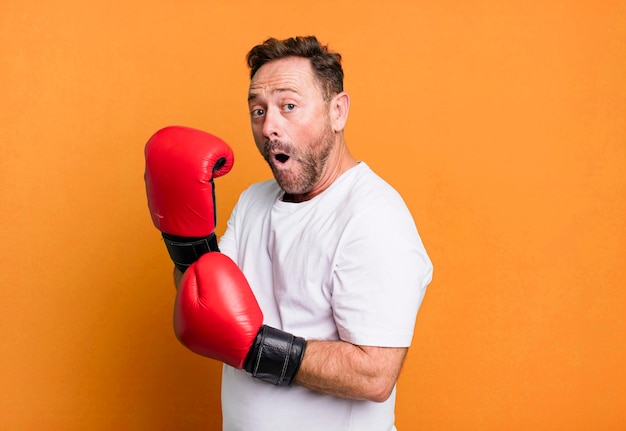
[326, 65]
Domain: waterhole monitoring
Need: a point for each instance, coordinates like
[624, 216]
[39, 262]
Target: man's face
[290, 123]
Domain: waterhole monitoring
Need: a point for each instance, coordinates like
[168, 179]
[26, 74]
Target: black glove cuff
[185, 250]
[275, 356]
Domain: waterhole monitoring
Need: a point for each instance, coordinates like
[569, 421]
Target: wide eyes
[256, 113]
[259, 112]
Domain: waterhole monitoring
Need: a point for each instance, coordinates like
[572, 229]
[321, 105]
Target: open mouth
[281, 158]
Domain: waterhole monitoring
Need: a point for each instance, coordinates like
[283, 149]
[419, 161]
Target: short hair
[326, 65]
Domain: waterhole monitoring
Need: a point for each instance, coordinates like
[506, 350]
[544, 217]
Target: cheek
[316, 130]
[310, 130]
[260, 145]
[256, 127]
[257, 134]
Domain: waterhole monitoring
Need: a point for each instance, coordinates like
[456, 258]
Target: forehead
[286, 74]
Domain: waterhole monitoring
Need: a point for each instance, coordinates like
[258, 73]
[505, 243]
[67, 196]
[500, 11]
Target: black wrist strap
[184, 250]
[275, 356]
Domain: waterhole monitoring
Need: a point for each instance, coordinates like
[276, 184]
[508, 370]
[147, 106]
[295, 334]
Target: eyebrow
[252, 95]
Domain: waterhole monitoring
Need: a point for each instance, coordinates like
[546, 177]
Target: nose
[271, 124]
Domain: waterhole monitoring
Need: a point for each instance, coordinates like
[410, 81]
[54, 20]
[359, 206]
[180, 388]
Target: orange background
[503, 124]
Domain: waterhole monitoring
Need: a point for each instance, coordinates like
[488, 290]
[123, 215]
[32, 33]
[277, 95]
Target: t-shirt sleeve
[228, 241]
[380, 277]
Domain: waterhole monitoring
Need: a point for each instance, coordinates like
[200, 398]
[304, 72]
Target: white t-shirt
[346, 265]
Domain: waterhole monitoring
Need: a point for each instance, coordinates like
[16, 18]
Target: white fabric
[346, 265]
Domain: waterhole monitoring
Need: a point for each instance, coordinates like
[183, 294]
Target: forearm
[349, 371]
[178, 274]
[340, 368]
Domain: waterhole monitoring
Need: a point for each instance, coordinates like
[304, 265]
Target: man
[330, 252]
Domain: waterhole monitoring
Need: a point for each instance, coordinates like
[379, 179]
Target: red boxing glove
[216, 315]
[181, 164]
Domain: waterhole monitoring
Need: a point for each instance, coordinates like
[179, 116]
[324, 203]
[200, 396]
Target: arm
[349, 371]
[346, 370]
[217, 316]
[178, 274]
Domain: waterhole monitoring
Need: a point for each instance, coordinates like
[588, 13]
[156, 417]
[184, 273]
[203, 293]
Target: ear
[339, 107]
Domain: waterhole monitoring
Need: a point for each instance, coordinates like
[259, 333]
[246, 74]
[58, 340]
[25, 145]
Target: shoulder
[371, 195]
[264, 192]
[262, 187]
[258, 198]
